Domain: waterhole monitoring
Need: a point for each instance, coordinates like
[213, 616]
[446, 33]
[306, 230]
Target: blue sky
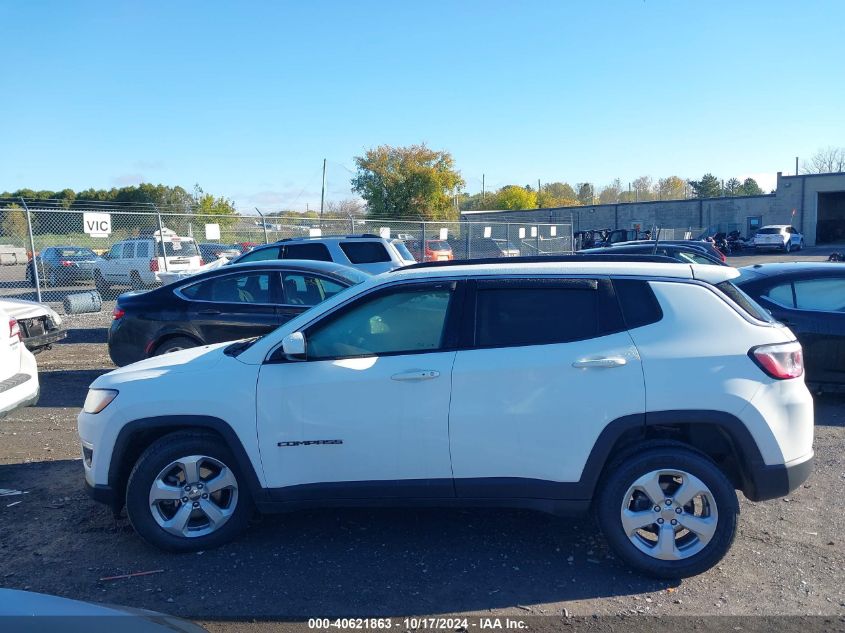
[247, 98]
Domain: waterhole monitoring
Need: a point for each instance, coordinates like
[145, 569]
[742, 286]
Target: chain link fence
[49, 249]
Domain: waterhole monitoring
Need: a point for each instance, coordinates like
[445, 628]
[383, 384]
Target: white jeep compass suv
[646, 391]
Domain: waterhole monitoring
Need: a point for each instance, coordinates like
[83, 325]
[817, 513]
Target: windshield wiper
[236, 348]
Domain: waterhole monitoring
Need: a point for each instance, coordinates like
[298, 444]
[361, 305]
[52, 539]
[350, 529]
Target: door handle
[609, 362]
[415, 375]
[210, 312]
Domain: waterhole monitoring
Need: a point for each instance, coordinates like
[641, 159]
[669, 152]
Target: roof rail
[320, 237]
[543, 259]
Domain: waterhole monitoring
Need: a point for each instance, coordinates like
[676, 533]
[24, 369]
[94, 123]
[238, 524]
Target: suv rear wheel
[669, 512]
[186, 493]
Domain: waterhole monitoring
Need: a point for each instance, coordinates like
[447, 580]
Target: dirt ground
[788, 558]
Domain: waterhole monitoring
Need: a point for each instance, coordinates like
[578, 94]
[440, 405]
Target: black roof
[796, 268]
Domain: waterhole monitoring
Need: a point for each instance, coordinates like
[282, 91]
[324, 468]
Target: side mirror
[293, 345]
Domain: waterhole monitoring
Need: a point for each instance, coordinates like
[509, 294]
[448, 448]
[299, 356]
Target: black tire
[174, 345]
[135, 280]
[100, 283]
[787, 247]
[621, 475]
[165, 451]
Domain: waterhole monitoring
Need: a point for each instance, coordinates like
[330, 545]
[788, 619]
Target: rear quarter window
[365, 252]
[639, 305]
[746, 303]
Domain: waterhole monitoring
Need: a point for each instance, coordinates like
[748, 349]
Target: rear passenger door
[302, 290]
[544, 366]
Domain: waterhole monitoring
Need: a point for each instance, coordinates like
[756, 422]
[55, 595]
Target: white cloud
[767, 180]
[125, 180]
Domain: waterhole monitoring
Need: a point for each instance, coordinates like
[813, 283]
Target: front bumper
[102, 493]
[773, 482]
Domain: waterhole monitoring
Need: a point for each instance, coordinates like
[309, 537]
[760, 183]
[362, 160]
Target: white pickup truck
[18, 371]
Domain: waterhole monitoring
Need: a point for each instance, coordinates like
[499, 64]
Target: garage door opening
[831, 219]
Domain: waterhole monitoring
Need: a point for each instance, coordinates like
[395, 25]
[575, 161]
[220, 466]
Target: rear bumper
[48, 338]
[773, 482]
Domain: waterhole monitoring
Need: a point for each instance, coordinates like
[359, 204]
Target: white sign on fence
[522, 232]
[97, 224]
[212, 231]
[488, 231]
[384, 232]
[533, 231]
[444, 233]
[315, 232]
[553, 231]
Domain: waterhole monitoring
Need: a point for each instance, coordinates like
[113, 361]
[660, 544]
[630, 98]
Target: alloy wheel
[193, 496]
[669, 514]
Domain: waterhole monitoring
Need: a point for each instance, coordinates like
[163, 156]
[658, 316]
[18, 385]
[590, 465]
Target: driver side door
[365, 414]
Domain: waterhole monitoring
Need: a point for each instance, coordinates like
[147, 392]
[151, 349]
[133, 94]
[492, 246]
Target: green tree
[212, 210]
[514, 197]
[671, 188]
[749, 187]
[732, 187]
[586, 194]
[708, 187]
[14, 222]
[557, 194]
[412, 182]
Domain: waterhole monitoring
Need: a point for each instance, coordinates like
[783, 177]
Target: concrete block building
[812, 203]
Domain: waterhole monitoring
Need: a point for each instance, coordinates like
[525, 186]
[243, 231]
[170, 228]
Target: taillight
[781, 361]
[202, 262]
[14, 330]
[154, 265]
[117, 313]
[722, 255]
[65, 263]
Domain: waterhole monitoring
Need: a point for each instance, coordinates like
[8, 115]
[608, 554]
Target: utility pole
[538, 193]
[796, 165]
[323, 193]
[482, 188]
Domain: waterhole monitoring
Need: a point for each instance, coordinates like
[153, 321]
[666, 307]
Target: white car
[780, 236]
[138, 262]
[18, 370]
[40, 325]
[473, 385]
[370, 253]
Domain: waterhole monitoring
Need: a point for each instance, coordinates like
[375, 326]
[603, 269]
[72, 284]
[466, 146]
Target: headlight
[98, 399]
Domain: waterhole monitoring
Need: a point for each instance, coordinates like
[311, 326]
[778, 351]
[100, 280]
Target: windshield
[437, 245]
[352, 275]
[75, 253]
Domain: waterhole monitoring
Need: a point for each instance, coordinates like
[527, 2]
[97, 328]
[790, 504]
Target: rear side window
[260, 255]
[128, 250]
[365, 252]
[541, 315]
[639, 305]
[748, 305]
[826, 295]
[317, 252]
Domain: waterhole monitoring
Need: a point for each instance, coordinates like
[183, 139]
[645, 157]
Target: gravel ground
[788, 558]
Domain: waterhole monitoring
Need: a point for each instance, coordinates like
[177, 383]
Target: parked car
[705, 246]
[482, 248]
[25, 611]
[40, 325]
[506, 362]
[18, 370]
[370, 253]
[809, 297]
[780, 236]
[211, 251]
[224, 304]
[435, 250]
[678, 252]
[245, 247]
[63, 265]
[137, 261]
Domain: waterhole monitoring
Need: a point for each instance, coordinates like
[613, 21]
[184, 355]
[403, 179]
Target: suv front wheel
[669, 512]
[186, 493]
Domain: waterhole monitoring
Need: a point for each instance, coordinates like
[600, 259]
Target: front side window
[825, 295]
[403, 320]
[116, 251]
[128, 250]
[304, 289]
[514, 316]
[365, 252]
[247, 288]
[317, 252]
[142, 249]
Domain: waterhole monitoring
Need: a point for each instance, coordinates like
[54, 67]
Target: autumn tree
[585, 193]
[514, 197]
[642, 189]
[610, 194]
[213, 210]
[412, 182]
[14, 222]
[557, 194]
[671, 188]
